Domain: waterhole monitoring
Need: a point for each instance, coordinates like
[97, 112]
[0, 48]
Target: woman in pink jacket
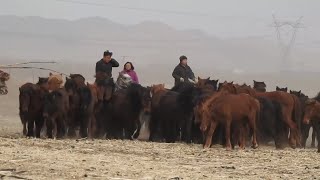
[129, 69]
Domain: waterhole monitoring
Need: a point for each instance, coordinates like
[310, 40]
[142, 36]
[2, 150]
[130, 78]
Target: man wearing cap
[182, 72]
[106, 63]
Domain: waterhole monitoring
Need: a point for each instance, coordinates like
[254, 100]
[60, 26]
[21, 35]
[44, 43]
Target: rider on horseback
[182, 72]
[106, 63]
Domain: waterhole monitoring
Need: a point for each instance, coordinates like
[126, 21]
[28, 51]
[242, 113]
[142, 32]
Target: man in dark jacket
[182, 72]
[106, 63]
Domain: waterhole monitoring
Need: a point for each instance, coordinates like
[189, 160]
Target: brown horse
[229, 109]
[312, 111]
[207, 84]
[31, 106]
[290, 106]
[55, 81]
[157, 91]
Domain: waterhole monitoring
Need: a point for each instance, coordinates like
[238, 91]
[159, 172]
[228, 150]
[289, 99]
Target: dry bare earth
[102, 159]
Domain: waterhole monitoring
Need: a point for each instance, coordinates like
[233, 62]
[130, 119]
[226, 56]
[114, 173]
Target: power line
[286, 49]
[134, 8]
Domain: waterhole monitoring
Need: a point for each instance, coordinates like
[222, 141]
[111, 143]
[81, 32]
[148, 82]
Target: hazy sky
[223, 18]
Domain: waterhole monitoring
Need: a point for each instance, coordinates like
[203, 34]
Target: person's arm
[176, 73]
[114, 63]
[191, 74]
[98, 67]
[135, 77]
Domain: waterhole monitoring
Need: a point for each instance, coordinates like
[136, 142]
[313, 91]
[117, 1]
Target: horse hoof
[313, 145]
[228, 149]
[255, 146]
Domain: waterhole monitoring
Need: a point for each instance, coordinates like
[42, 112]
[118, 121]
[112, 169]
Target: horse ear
[199, 78]
[254, 81]
[50, 73]
[299, 92]
[208, 78]
[231, 82]
[277, 87]
[290, 91]
[286, 89]
[88, 84]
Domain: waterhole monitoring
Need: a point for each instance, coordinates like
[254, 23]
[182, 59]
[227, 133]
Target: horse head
[282, 89]
[312, 110]
[259, 86]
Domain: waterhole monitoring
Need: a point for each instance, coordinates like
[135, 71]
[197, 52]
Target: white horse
[123, 81]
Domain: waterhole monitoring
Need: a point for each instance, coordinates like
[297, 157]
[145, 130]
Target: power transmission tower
[286, 47]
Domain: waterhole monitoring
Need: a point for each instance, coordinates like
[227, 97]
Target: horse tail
[297, 114]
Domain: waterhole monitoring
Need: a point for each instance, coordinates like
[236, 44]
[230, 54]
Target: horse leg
[252, 122]
[83, 126]
[39, 124]
[317, 129]
[313, 141]
[228, 133]
[55, 128]
[209, 134]
[24, 128]
[293, 131]
[71, 126]
[93, 126]
[187, 130]
[30, 132]
[242, 136]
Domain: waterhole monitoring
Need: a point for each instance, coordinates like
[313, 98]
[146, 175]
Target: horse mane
[86, 95]
[181, 86]
[72, 76]
[317, 97]
[135, 91]
[157, 88]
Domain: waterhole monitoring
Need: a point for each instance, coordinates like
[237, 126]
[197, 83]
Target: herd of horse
[205, 112]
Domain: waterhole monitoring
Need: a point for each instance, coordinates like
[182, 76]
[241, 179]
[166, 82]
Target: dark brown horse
[312, 113]
[174, 115]
[305, 128]
[72, 86]
[55, 113]
[31, 106]
[126, 107]
[105, 90]
[226, 109]
[259, 86]
[88, 106]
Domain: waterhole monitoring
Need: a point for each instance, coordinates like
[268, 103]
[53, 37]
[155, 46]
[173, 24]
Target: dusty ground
[101, 159]
[22, 158]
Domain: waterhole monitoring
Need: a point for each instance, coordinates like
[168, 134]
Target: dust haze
[221, 47]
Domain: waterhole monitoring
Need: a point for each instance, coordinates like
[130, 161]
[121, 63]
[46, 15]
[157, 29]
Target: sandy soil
[102, 159]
